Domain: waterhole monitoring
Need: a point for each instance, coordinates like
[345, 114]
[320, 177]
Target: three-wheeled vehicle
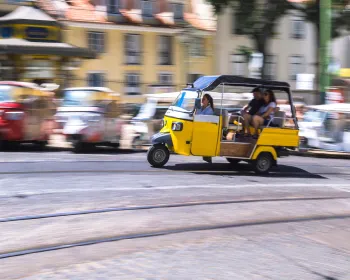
[26, 113]
[326, 127]
[186, 133]
[90, 116]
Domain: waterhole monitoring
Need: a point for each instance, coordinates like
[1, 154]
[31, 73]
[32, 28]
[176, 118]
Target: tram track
[164, 206]
[141, 235]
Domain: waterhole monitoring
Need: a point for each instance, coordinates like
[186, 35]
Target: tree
[257, 19]
[340, 22]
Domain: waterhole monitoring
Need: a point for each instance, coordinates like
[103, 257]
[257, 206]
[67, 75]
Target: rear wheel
[41, 145]
[263, 163]
[80, 147]
[12, 145]
[158, 155]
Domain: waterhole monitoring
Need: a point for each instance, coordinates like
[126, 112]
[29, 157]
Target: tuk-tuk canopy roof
[209, 83]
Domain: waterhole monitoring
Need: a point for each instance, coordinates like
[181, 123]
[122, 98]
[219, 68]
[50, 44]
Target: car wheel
[158, 155]
[263, 163]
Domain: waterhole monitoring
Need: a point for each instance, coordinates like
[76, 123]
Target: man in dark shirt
[252, 108]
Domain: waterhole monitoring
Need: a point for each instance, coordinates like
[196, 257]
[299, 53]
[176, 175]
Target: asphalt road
[58, 181]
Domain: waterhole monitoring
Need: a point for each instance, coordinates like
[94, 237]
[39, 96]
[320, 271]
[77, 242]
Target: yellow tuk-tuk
[186, 133]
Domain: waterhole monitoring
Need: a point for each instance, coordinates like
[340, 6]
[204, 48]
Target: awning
[21, 46]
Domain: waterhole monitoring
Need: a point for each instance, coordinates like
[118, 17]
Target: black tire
[79, 147]
[263, 163]
[158, 155]
[41, 145]
[12, 145]
[233, 161]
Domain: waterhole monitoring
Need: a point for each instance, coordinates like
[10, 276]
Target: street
[109, 215]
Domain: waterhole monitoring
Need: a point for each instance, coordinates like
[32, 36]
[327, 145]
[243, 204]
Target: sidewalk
[321, 154]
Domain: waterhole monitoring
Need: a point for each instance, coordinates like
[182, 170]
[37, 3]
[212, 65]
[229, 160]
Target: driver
[207, 105]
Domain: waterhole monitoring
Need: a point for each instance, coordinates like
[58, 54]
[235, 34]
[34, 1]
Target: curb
[321, 154]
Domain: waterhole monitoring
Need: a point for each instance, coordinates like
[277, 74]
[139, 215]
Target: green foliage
[340, 16]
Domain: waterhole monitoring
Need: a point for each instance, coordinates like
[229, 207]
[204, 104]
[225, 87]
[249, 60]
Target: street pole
[325, 39]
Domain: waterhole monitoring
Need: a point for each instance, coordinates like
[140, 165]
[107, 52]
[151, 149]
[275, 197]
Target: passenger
[266, 113]
[207, 106]
[251, 109]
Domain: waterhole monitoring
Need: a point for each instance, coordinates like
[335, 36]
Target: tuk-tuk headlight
[164, 123]
[177, 126]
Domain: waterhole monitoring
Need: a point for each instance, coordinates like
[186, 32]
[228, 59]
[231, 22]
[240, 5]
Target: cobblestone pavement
[232, 255]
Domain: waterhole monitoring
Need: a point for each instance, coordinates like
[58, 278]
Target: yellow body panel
[205, 139]
[279, 137]
[181, 139]
[264, 149]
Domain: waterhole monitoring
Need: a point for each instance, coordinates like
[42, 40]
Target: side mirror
[198, 103]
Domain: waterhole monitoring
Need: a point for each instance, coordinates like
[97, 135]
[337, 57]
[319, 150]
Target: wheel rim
[263, 164]
[159, 155]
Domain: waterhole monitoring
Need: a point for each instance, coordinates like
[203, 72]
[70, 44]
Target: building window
[165, 50]
[132, 83]
[270, 66]
[147, 8]
[113, 6]
[165, 78]
[198, 47]
[178, 10]
[96, 41]
[239, 64]
[96, 79]
[133, 49]
[298, 29]
[296, 66]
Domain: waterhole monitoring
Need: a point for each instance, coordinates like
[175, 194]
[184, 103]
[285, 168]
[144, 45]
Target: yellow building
[141, 45]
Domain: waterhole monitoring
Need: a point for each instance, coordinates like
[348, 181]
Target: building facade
[142, 46]
[290, 52]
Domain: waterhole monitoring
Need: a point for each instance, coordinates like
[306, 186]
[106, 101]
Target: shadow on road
[244, 169]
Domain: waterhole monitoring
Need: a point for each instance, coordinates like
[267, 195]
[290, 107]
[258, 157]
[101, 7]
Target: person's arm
[269, 110]
[246, 107]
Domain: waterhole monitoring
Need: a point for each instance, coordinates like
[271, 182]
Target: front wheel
[263, 163]
[158, 155]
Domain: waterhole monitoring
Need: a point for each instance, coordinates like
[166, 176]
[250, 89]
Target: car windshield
[186, 100]
[6, 93]
[79, 98]
[314, 116]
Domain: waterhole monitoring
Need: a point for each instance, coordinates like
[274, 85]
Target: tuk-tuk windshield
[314, 116]
[6, 93]
[79, 98]
[186, 100]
